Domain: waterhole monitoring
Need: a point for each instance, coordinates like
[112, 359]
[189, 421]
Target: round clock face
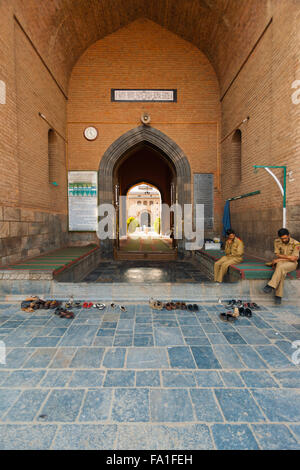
[90, 133]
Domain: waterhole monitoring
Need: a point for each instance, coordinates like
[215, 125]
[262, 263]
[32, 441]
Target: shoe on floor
[267, 289]
[277, 300]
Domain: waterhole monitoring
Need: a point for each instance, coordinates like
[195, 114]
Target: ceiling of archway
[225, 30]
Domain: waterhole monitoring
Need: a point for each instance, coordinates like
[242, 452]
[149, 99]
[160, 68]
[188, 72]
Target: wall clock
[90, 133]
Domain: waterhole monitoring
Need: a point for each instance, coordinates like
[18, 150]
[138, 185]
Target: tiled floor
[147, 271]
[146, 379]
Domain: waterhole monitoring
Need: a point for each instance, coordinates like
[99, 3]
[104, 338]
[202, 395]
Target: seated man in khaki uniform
[286, 250]
[234, 250]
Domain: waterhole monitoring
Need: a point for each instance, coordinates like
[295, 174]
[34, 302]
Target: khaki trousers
[221, 266]
[277, 281]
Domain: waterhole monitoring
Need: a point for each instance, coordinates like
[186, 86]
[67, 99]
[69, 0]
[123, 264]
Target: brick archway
[159, 140]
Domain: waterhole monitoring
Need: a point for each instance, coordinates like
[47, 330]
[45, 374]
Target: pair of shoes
[268, 289]
[64, 313]
[254, 306]
[87, 304]
[121, 307]
[245, 312]
[99, 306]
[169, 306]
[193, 307]
[227, 317]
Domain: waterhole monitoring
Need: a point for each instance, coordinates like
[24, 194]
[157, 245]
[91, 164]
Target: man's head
[230, 234]
[284, 235]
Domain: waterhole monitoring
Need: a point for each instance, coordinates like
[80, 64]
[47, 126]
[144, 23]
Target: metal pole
[282, 188]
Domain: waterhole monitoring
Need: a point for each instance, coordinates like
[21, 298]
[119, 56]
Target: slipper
[85, 305]
[242, 311]
[196, 308]
[113, 305]
[66, 314]
[248, 312]
[190, 307]
[167, 306]
[90, 305]
[173, 305]
[178, 305]
[123, 308]
[101, 306]
[183, 306]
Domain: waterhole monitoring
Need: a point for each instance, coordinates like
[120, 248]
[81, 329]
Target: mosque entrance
[145, 158]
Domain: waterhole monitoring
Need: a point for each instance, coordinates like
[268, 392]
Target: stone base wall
[26, 233]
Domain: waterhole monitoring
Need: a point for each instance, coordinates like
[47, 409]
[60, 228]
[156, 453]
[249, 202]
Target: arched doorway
[136, 152]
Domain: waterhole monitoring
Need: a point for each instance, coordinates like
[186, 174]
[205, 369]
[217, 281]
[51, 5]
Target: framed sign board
[82, 201]
[204, 194]
[163, 96]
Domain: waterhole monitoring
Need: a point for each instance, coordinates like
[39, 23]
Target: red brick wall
[263, 92]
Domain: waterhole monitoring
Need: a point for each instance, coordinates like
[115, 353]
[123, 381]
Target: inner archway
[174, 182]
[143, 179]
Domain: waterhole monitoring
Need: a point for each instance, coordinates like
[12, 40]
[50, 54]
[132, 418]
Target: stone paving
[145, 379]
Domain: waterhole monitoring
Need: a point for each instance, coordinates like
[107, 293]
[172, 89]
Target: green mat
[52, 261]
[145, 245]
[251, 268]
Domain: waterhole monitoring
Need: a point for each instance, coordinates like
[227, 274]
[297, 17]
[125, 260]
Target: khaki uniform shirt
[236, 248]
[287, 249]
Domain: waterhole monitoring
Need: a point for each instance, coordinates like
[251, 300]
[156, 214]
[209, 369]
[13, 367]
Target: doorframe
[163, 143]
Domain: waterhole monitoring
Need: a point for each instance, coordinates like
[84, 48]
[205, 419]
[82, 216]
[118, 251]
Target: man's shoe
[277, 300]
[267, 289]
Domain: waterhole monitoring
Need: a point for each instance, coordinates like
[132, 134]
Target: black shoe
[267, 289]
[277, 300]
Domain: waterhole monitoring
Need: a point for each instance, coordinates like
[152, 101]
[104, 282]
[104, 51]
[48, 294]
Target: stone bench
[68, 264]
[251, 268]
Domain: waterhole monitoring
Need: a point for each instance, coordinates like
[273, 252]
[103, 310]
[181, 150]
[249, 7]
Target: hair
[283, 231]
[230, 231]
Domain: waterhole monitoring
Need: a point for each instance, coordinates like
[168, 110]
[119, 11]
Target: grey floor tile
[85, 437]
[96, 405]
[171, 405]
[26, 437]
[62, 405]
[130, 404]
[274, 437]
[234, 437]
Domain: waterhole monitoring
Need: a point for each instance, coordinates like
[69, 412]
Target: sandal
[123, 308]
[167, 306]
[66, 314]
[100, 306]
[113, 305]
[173, 305]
